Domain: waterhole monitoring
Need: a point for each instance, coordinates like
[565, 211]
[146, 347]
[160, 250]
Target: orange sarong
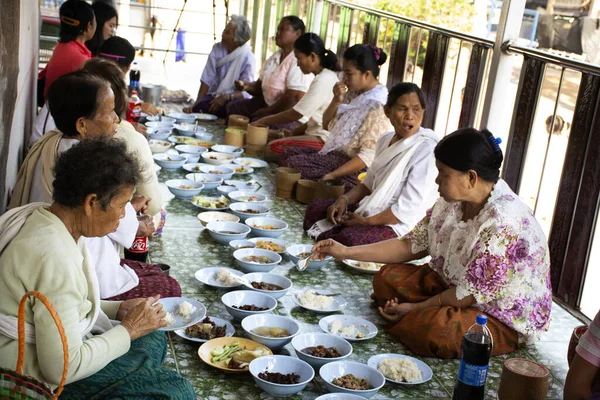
[433, 331]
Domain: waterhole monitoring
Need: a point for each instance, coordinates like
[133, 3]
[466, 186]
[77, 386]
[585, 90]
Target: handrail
[487, 43]
[509, 47]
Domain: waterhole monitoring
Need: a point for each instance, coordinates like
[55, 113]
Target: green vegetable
[224, 352]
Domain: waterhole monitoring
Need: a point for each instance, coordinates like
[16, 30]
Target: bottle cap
[134, 92]
[481, 319]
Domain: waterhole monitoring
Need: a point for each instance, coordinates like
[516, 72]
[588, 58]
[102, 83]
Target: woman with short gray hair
[230, 60]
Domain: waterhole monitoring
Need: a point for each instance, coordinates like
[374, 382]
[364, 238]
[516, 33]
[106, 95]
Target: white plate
[426, 371]
[242, 185]
[204, 117]
[339, 303]
[208, 277]
[171, 304]
[250, 162]
[247, 170]
[208, 208]
[353, 265]
[367, 328]
[191, 167]
[229, 330]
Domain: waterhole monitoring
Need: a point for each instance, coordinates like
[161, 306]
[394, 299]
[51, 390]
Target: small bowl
[272, 321]
[217, 158]
[282, 243]
[216, 216]
[190, 149]
[247, 297]
[225, 190]
[313, 265]
[339, 396]
[256, 267]
[313, 339]
[241, 244]
[160, 134]
[219, 231]
[247, 197]
[188, 129]
[191, 158]
[210, 181]
[332, 370]
[274, 279]
[170, 162]
[233, 150]
[167, 120]
[280, 226]
[174, 186]
[158, 146]
[283, 365]
[182, 118]
[223, 172]
[237, 208]
[156, 125]
[203, 135]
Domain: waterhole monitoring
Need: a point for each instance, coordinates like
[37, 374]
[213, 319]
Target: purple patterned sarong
[346, 235]
[248, 107]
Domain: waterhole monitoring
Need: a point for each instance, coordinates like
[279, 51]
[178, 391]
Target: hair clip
[111, 56]
[494, 142]
[376, 52]
[69, 21]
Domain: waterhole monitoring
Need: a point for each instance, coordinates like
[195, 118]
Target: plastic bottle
[474, 360]
[134, 111]
[134, 77]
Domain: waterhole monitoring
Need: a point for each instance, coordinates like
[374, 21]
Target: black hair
[112, 74]
[75, 16]
[295, 22]
[469, 149]
[118, 50]
[309, 43]
[103, 12]
[72, 96]
[366, 58]
[101, 167]
[403, 88]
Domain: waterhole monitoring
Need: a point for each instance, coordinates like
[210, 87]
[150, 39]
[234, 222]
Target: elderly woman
[488, 254]
[355, 118]
[107, 21]
[229, 61]
[399, 187]
[83, 107]
[41, 249]
[281, 83]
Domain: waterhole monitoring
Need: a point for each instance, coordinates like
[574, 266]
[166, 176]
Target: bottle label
[472, 375]
[140, 245]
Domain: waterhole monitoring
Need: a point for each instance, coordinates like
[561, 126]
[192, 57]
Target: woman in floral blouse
[488, 254]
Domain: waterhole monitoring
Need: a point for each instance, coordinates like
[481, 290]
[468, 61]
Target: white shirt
[38, 125]
[315, 102]
[113, 279]
[416, 190]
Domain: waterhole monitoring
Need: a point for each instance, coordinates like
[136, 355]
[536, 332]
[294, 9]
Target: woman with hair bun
[488, 253]
[355, 118]
[313, 58]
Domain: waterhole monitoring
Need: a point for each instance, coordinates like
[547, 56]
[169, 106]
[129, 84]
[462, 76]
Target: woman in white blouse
[399, 187]
[313, 58]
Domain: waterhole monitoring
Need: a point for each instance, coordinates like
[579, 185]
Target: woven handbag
[13, 384]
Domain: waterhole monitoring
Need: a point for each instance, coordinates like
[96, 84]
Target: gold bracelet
[440, 300]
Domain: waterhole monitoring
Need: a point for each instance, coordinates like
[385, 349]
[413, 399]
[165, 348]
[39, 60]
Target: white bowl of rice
[401, 369]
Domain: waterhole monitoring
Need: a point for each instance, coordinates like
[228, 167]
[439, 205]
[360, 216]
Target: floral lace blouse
[500, 257]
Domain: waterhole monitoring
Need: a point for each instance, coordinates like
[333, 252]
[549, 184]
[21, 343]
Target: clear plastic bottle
[134, 111]
[474, 360]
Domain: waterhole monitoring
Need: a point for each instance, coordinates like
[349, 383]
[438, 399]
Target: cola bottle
[475, 356]
[138, 250]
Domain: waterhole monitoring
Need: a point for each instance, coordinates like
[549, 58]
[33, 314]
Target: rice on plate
[400, 370]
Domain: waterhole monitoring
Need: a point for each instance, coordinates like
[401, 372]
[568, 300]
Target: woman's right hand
[145, 225]
[187, 110]
[336, 211]
[339, 92]
[240, 85]
[144, 318]
[330, 247]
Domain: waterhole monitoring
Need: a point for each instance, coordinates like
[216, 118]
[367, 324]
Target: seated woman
[583, 378]
[82, 106]
[355, 119]
[281, 84]
[42, 251]
[77, 25]
[488, 255]
[399, 187]
[230, 60]
[107, 21]
[312, 58]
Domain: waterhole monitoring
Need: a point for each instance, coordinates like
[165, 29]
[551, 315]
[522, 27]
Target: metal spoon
[303, 263]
